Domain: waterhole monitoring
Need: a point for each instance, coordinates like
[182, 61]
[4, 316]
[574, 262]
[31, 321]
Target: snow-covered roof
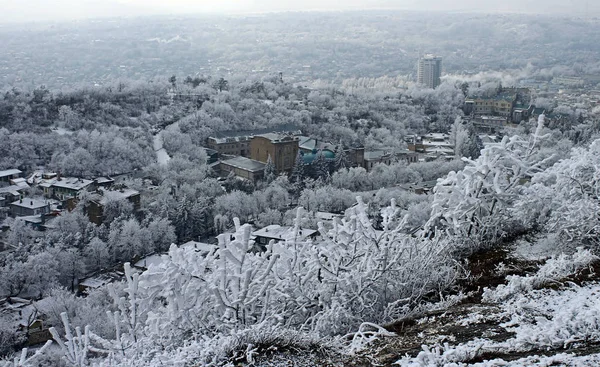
[276, 138]
[12, 189]
[10, 172]
[99, 280]
[30, 203]
[72, 183]
[280, 233]
[376, 154]
[117, 195]
[104, 180]
[157, 259]
[245, 164]
[327, 216]
[198, 246]
[146, 262]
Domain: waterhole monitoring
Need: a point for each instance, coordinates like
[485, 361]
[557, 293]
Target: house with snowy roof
[100, 198]
[29, 207]
[278, 233]
[7, 175]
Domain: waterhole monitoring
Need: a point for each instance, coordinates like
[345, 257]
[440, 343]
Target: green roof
[310, 157]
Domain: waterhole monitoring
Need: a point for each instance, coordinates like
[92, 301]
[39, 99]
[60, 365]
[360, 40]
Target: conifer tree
[341, 159]
[269, 170]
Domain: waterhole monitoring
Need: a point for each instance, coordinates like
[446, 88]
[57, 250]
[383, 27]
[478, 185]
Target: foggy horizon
[66, 10]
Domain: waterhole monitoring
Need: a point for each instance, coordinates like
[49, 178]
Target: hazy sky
[41, 10]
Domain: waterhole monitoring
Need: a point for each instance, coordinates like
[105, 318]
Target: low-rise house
[70, 187]
[420, 188]
[99, 200]
[9, 174]
[407, 156]
[29, 207]
[12, 193]
[104, 182]
[98, 280]
[156, 259]
[277, 233]
[371, 158]
[243, 167]
[24, 316]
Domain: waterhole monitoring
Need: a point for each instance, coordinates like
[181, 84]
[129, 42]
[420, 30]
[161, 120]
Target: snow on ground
[556, 325]
[161, 154]
[162, 157]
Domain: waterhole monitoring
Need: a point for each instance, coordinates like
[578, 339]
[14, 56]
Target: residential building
[500, 105]
[429, 71]
[28, 207]
[23, 315]
[238, 145]
[282, 149]
[371, 158]
[99, 280]
[64, 188]
[12, 193]
[99, 200]
[407, 156]
[7, 175]
[433, 143]
[243, 167]
[277, 233]
[157, 258]
[420, 188]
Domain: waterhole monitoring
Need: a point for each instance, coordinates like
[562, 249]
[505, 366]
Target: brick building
[282, 149]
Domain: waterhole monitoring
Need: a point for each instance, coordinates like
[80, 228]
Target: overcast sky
[42, 10]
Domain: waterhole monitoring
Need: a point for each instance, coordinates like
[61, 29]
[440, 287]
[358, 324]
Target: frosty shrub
[473, 204]
[564, 199]
[355, 274]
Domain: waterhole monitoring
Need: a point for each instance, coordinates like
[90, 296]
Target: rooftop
[157, 259]
[286, 128]
[10, 172]
[104, 180]
[504, 96]
[245, 164]
[115, 195]
[376, 154]
[30, 203]
[97, 281]
[280, 233]
[276, 137]
[72, 183]
[13, 189]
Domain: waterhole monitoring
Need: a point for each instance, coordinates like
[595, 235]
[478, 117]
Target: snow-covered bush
[472, 204]
[216, 304]
[564, 199]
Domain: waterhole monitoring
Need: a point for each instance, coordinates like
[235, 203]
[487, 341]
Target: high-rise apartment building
[429, 71]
